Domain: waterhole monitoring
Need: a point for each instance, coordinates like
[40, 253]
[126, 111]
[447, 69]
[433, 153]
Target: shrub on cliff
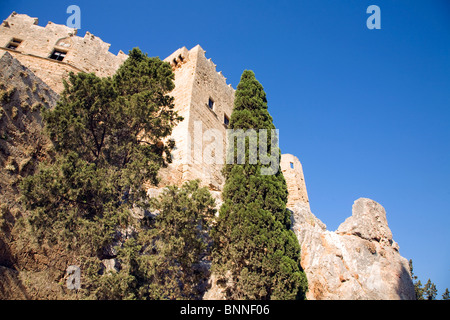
[256, 255]
[166, 258]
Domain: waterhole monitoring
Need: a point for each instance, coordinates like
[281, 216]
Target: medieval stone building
[51, 52]
[202, 96]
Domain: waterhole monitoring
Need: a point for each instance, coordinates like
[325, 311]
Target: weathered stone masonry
[202, 96]
[36, 45]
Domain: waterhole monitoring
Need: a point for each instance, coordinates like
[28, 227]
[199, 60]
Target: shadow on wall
[405, 286]
[6, 257]
[11, 287]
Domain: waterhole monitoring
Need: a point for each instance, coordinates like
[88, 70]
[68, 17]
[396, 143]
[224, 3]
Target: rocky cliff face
[26, 271]
[359, 260]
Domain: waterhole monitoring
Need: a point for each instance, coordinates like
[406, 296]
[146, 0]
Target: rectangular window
[226, 120]
[14, 43]
[291, 164]
[211, 104]
[58, 55]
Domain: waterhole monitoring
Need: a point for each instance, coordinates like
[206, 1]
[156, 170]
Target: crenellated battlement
[178, 58]
[214, 67]
[53, 51]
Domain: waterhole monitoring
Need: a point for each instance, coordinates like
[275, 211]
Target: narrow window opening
[180, 58]
[58, 55]
[226, 120]
[175, 62]
[211, 104]
[14, 44]
[291, 164]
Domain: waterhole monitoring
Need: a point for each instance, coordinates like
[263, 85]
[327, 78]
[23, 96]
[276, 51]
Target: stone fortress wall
[202, 96]
[34, 46]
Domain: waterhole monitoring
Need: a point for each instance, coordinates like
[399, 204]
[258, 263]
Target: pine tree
[417, 284]
[173, 266]
[256, 254]
[166, 260]
[107, 135]
[446, 295]
[430, 290]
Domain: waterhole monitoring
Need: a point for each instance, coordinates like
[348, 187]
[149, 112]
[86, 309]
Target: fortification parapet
[53, 51]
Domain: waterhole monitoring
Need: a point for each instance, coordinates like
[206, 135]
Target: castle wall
[201, 137]
[87, 54]
[184, 70]
[209, 84]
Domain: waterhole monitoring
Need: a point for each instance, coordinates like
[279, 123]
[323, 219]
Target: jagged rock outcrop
[359, 260]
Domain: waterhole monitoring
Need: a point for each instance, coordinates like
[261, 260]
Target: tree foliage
[107, 134]
[430, 290]
[166, 259]
[417, 284]
[108, 138]
[256, 255]
[446, 295]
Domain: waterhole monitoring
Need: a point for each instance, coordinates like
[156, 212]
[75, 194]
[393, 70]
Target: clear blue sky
[366, 111]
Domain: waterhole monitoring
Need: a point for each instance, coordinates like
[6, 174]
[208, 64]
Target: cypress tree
[430, 290]
[256, 254]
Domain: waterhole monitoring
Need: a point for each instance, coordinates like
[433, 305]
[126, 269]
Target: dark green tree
[419, 290]
[446, 295]
[166, 260]
[107, 135]
[430, 290]
[174, 261]
[256, 255]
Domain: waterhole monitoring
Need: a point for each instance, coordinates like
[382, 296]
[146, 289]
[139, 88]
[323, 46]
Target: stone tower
[205, 101]
[295, 180]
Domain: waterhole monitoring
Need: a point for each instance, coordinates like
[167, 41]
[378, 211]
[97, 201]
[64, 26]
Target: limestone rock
[358, 261]
[368, 221]
[110, 266]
